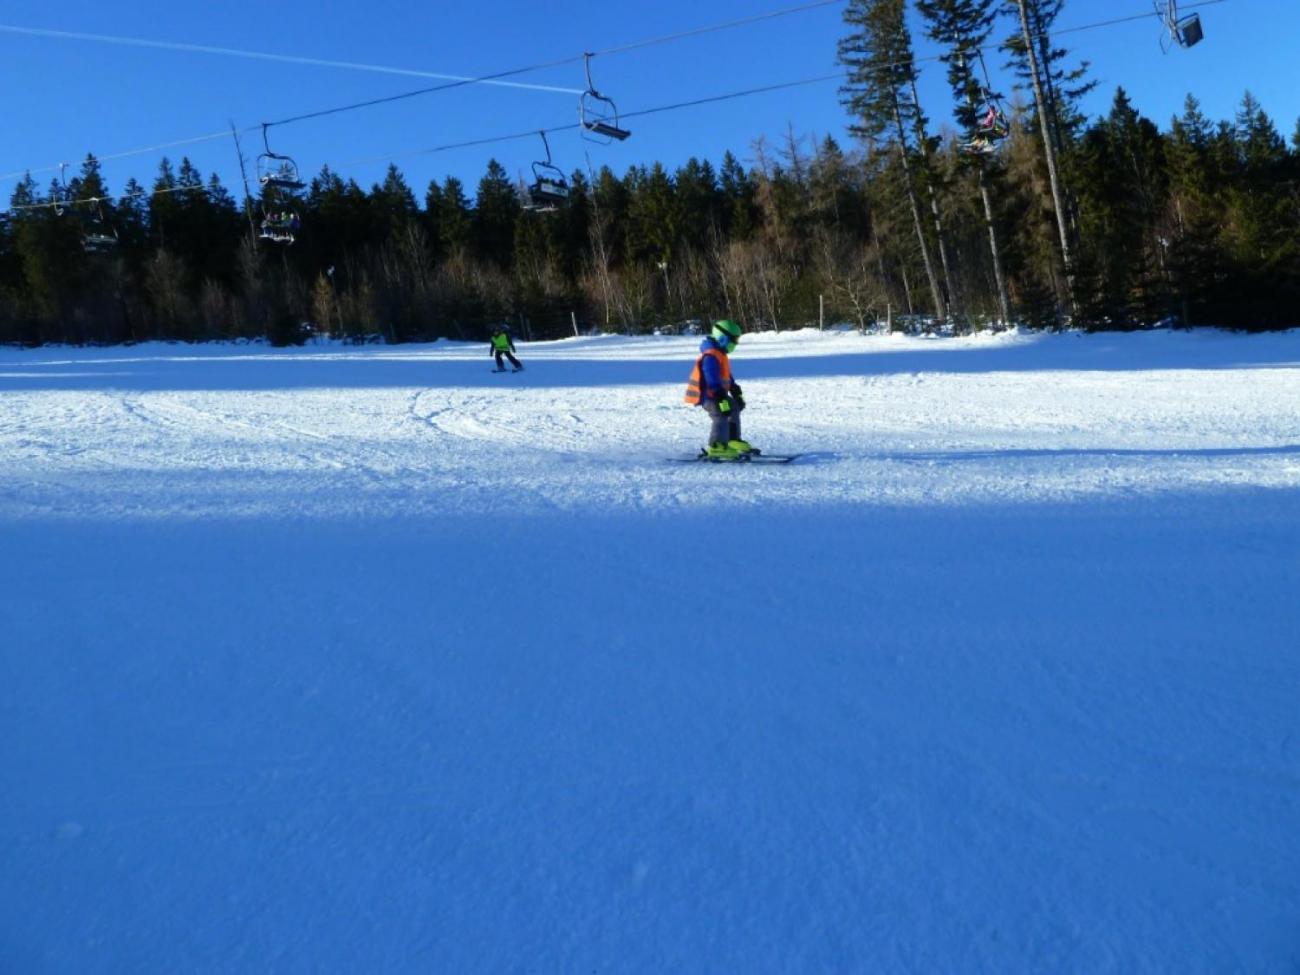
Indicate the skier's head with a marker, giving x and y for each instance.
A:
(726, 333)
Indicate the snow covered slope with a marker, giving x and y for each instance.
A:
(372, 660)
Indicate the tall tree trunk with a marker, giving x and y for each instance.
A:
(1049, 151)
(995, 251)
(935, 213)
(940, 309)
(999, 274)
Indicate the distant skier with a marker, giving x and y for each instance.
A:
(712, 387)
(503, 345)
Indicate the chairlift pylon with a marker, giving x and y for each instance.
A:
(1183, 31)
(549, 188)
(598, 113)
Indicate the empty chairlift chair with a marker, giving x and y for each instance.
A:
(598, 113)
(1183, 31)
(275, 171)
(99, 236)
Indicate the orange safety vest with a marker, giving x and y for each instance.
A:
(694, 387)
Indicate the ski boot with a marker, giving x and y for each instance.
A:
(719, 452)
(744, 447)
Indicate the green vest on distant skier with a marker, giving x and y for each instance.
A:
(502, 346)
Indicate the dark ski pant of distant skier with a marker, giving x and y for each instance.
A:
(726, 426)
(513, 361)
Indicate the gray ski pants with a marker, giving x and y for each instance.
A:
(726, 426)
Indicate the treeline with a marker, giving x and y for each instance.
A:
(1109, 223)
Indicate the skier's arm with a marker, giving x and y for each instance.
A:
(711, 372)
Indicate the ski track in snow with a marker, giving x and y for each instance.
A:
(336, 659)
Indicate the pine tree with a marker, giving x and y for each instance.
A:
(1262, 228)
(455, 218)
(963, 27)
(496, 208)
(1055, 97)
(740, 217)
(881, 68)
(1190, 225)
(1122, 190)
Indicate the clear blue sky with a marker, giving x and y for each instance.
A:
(66, 97)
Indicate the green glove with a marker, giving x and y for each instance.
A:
(724, 405)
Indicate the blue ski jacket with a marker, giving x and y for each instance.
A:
(711, 372)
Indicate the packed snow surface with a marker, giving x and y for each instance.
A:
(371, 660)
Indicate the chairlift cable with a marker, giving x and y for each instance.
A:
(497, 77)
(19, 174)
(109, 198)
(490, 140)
(1123, 20)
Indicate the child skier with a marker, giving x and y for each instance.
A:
(503, 345)
(712, 387)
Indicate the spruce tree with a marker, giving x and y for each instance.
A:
(1190, 226)
(882, 70)
(963, 27)
(1055, 93)
(496, 208)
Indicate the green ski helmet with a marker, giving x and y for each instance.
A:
(726, 332)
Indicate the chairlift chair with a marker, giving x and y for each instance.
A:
(980, 145)
(275, 236)
(99, 237)
(276, 171)
(549, 188)
(598, 113)
(278, 226)
(97, 243)
(1183, 31)
(62, 194)
(993, 120)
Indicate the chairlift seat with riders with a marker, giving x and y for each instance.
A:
(278, 226)
(598, 113)
(278, 175)
(549, 188)
(991, 125)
